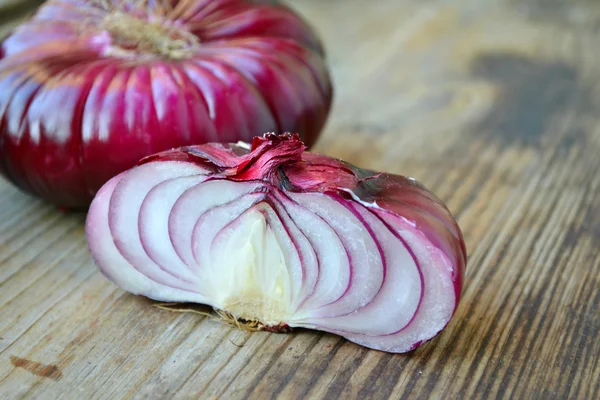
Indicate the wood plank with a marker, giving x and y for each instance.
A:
(493, 105)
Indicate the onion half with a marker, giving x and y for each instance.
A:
(89, 87)
(283, 238)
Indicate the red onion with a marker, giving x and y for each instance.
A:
(283, 238)
(88, 88)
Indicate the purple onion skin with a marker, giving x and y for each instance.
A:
(283, 161)
(73, 113)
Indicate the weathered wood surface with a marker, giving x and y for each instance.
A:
(493, 104)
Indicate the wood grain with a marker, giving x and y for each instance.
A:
(494, 105)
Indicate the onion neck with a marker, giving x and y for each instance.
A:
(268, 154)
(132, 35)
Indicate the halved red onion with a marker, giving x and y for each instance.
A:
(271, 234)
(89, 87)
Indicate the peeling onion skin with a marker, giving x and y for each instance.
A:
(273, 234)
(81, 100)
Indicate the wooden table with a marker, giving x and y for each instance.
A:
(494, 105)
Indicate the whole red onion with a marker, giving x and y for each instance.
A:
(279, 237)
(88, 88)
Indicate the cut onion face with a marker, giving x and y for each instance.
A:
(89, 87)
(281, 238)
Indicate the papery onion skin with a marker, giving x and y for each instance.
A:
(88, 88)
(313, 203)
